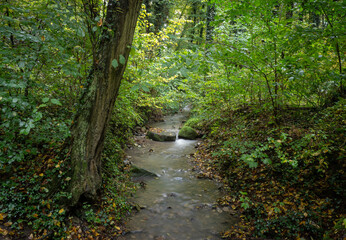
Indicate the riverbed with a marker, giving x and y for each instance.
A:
(175, 205)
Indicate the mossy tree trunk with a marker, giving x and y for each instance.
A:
(96, 105)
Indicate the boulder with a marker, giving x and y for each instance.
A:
(188, 133)
(137, 172)
(162, 137)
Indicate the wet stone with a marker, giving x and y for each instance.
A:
(162, 137)
(140, 173)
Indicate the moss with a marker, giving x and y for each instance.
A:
(188, 133)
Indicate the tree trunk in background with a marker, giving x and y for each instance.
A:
(96, 105)
(210, 19)
(160, 13)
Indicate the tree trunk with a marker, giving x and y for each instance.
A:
(96, 104)
(210, 19)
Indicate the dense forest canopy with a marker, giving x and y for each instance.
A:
(265, 79)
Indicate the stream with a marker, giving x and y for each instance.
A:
(175, 204)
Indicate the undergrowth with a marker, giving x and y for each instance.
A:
(35, 176)
(285, 177)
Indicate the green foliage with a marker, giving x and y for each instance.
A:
(245, 201)
(33, 198)
(289, 176)
(194, 122)
(44, 61)
(272, 54)
(267, 58)
(289, 226)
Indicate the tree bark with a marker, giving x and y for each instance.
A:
(96, 104)
(210, 19)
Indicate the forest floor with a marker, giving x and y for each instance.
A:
(285, 178)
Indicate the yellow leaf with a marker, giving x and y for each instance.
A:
(41, 175)
(316, 154)
(117, 228)
(2, 216)
(3, 232)
(61, 211)
(8, 224)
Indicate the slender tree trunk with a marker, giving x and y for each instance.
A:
(194, 17)
(96, 104)
(337, 49)
(201, 18)
(210, 19)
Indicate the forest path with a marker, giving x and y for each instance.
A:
(176, 204)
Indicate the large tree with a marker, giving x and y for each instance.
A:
(96, 104)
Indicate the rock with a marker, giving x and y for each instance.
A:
(140, 172)
(162, 137)
(188, 133)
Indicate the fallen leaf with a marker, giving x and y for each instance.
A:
(2, 216)
(3, 232)
(8, 224)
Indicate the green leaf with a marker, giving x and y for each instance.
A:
(45, 100)
(145, 89)
(25, 131)
(38, 116)
(115, 63)
(267, 161)
(21, 64)
(80, 32)
(42, 105)
(55, 101)
(122, 59)
(135, 87)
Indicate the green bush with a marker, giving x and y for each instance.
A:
(195, 123)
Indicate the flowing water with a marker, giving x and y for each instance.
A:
(176, 204)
